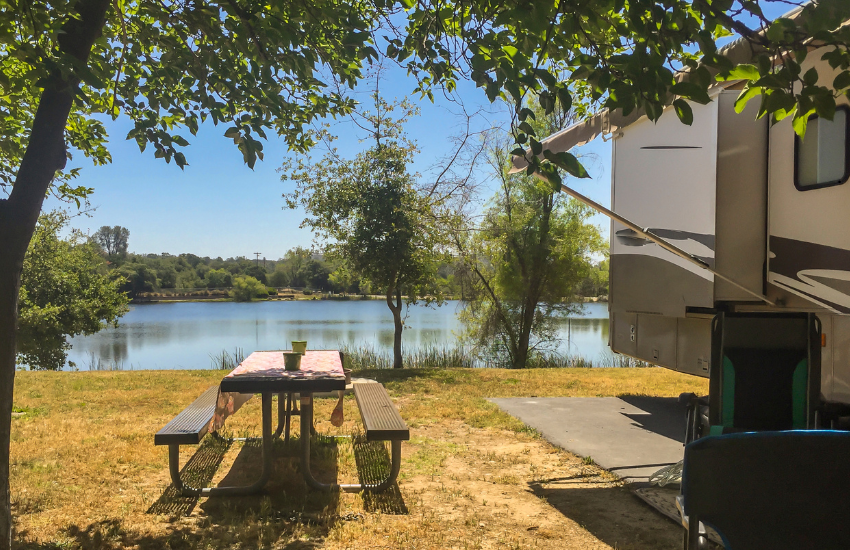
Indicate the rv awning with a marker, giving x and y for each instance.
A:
(583, 132)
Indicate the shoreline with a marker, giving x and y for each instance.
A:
(305, 298)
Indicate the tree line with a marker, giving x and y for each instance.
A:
(299, 268)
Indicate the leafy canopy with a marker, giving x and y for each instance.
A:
(114, 240)
(65, 291)
(529, 256)
(252, 66)
(368, 209)
(621, 54)
(247, 289)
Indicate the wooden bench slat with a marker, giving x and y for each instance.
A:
(380, 417)
(190, 426)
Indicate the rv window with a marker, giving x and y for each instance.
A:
(821, 157)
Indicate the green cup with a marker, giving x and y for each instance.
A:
(299, 346)
(292, 360)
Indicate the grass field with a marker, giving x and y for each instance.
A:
(85, 472)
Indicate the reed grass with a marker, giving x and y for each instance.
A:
(365, 357)
(225, 360)
(95, 363)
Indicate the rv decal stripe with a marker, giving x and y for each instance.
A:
(808, 269)
(663, 147)
(669, 234)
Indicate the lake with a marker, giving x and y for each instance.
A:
(185, 335)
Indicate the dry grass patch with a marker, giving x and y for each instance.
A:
(85, 472)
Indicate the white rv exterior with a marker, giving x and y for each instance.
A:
(757, 204)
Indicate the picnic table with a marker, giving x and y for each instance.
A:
(263, 373)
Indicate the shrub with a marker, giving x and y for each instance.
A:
(246, 289)
(307, 292)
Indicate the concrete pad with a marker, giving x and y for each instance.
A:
(631, 436)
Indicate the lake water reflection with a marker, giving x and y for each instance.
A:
(184, 335)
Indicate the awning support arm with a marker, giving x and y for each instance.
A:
(647, 234)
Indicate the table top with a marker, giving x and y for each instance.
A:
(264, 371)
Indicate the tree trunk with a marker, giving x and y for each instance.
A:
(534, 277)
(521, 358)
(395, 308)
(19, 213)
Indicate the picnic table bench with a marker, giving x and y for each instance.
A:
(381, 420)
(192, 424)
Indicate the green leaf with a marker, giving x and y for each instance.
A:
(799, 123)
(743, 72)
(550, 174)
(765, 64)
(568, 162)
(744, 97)
(811, 77)
(841, 81)
(683, 111)
(526, 127)
(691, 91)
(825, 106)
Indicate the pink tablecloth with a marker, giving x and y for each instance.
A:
(269, 364)
(265, 371)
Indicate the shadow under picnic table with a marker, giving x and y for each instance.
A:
(198, 471)
(286, 491)
(373, 465)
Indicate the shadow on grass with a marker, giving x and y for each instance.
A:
(285, 515)
(112, 535)
(612, 514)
(197, 472)
(373, 465)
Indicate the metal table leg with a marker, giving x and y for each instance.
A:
(290, 405)
(174, 463)
(282, 416)
(307, 420)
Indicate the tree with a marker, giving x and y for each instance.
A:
(278, 278)
(166, 277)
(65, 291)
(315, 274)
(371, 215)
(247, 289)
(218, 278)
(113, 240)
(596, 283)
(528, 258)
(136, 278)
(256, 272)
(250, 66)
(291, 267)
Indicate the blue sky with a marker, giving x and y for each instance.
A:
(217, 206)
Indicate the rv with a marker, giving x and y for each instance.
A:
(728, 214)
